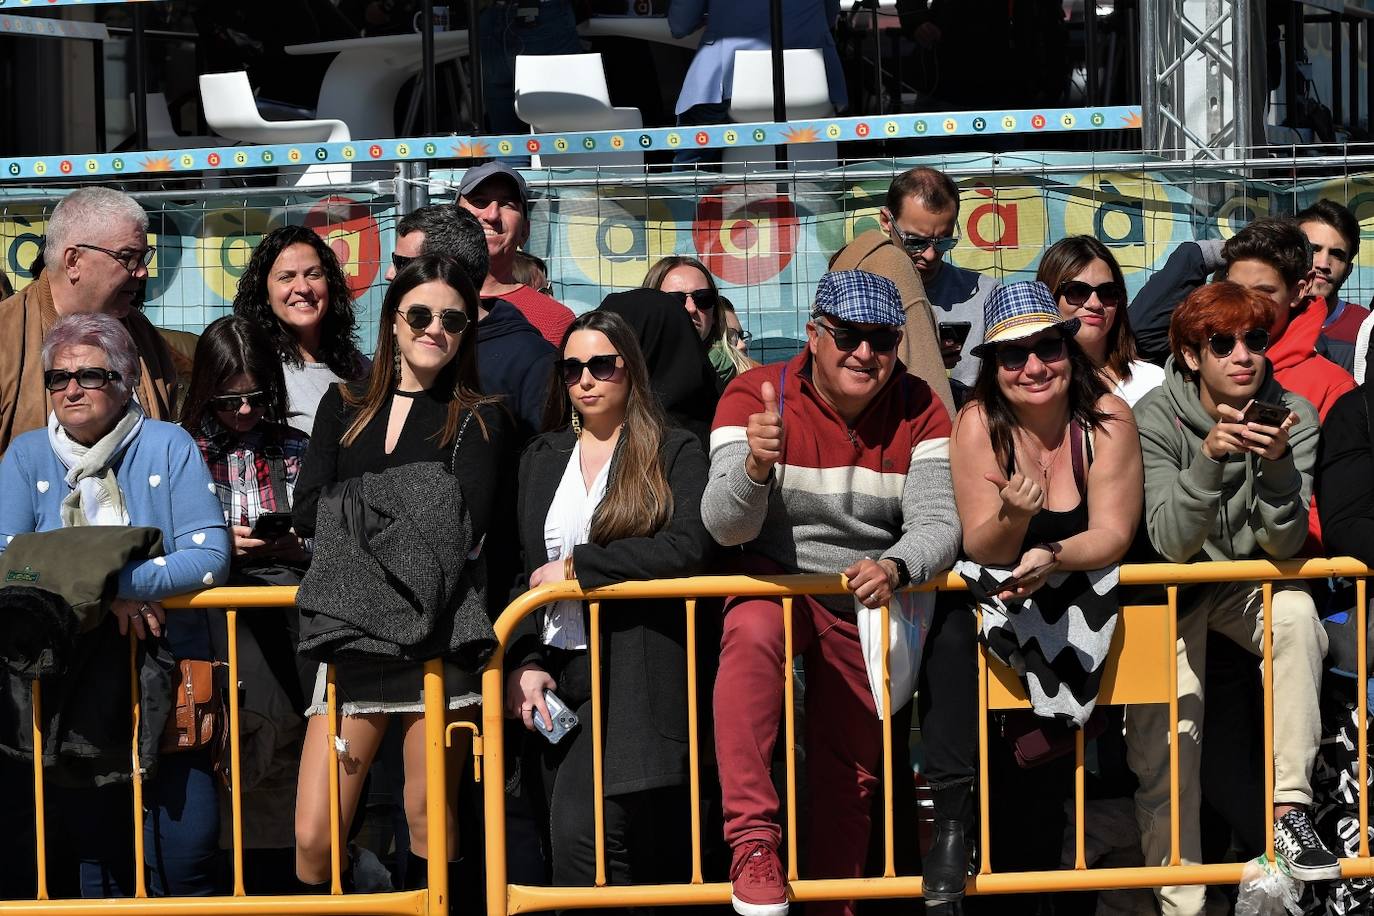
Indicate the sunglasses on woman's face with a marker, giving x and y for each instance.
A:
(88, 377)
(454, 321)
(1256, 341)
(1076, 292)
(232, 403)
(880, 340)
(601, 367)
(704, 298)
(1013, 357)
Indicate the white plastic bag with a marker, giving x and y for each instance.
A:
(1268, 890)
(908, 619)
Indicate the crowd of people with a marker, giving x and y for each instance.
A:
(1036, 433)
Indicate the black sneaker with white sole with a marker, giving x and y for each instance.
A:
(1302, 851)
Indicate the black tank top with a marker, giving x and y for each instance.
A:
(1048, 525)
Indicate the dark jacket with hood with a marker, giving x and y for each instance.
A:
(514, 362)
(679, 371)
(644, 654)
(1245, 507)
(58, 632)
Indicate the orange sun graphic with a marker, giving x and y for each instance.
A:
(157, 164)
(801, 135)
(470, 150)
(1132, 120)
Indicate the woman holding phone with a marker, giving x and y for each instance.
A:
(1088, 285)
(611, 493)
(1047, 476)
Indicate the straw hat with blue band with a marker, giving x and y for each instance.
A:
(1015, 311)
(860, 297)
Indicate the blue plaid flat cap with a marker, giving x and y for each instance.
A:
(1017, 310)
(861, 297)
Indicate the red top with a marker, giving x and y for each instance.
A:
(1347, 324)
(549, 316)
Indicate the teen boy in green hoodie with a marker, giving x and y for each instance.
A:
(1218, 488)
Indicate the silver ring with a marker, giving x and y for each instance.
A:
(145, 608)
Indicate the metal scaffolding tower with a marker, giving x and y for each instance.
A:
(1197, 78)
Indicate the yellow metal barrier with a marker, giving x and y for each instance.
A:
(1144, 640)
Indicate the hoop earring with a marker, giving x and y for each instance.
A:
(576, 425)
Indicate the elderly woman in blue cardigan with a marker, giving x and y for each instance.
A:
(101, 461)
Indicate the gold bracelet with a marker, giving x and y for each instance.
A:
(568, 567)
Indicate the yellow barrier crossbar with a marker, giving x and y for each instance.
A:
(488, 747)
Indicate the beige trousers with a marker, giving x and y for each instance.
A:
(1235, 610)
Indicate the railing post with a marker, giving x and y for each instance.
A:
(436, 788)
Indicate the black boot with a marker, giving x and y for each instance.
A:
(948, 864)
(466, 883)
(322, 889)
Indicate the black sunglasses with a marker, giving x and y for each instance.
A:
(1013, 357)
(419, 317)
(256, 400)
(734, 337)
(880, 340)
(1256, 341)
(601, 367)
(704, 297)
(1076, 292)
(917, 244)
(400, 261)
(88, 377)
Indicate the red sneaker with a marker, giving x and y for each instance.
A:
(756, 882)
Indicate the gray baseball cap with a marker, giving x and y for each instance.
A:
(474, 176)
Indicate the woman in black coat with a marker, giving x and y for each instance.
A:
(613, 493)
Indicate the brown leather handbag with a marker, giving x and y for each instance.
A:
(197, 719)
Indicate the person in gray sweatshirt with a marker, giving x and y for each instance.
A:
(1219, 487)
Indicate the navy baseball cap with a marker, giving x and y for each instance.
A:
(860, 297)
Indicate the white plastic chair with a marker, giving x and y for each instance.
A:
(162, 133)
(807, 93)
(231, 111)
(567, 92)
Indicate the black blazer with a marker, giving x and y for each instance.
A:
(643, 643)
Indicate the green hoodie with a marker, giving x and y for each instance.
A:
(1238, 509)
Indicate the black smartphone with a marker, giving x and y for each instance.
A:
(955, 332)
(271, 525)
(1265, 413)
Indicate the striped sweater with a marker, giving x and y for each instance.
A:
(880, 488)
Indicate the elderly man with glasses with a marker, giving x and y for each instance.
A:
(834, 462)
(96, 257)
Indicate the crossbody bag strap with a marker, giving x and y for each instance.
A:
(276, 474)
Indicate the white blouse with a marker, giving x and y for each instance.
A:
(1145, 377)
(568, 524)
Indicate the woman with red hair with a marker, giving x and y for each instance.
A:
(1229, 456)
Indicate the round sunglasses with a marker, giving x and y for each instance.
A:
(88, 377)
(1256, 341)
(419, 317)
(1013, 357)
(233, 403)
(601, 367)
(1076, 292)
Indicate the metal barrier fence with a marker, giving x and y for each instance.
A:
(1143, 668)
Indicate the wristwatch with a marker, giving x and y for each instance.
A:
(903, 574)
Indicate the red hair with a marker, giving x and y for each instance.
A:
(1217, 308)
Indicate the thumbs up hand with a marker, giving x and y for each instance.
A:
(764, 435)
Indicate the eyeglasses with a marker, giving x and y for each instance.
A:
(400, 261)
(256, 400)
(734, 338)
(419, 317)
(129, 260)
(1076, 292)
(704, 298)
(880, 340)
(89, 377)
(1256, 341)
(601, 367)
(1013, 357)
(917, 244)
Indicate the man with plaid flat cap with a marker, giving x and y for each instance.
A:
(834, 462)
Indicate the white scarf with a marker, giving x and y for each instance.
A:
(568, 524)
(95, 498)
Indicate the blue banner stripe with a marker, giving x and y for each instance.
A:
(907, 126)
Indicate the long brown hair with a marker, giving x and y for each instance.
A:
(459, 376)
(638, 500)
(1063, 261)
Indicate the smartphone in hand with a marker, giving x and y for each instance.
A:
(271, 525)
(1264, 413)
(564, 719)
